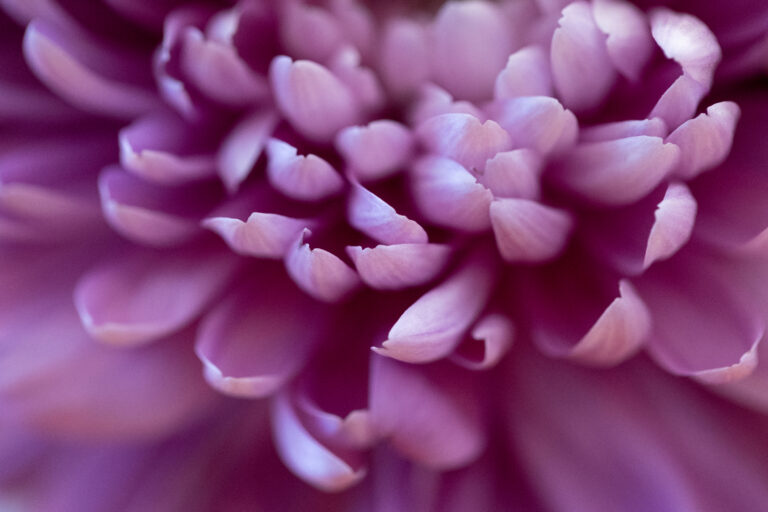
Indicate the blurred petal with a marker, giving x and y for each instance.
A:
(392, 267)
(490, 339)
(513, 174)
(376, 150)
(263, 235)
(243, 146)
(527, 74)
(527, 231)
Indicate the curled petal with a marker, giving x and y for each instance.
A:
(377, 219)
(705, 141)
(675, 217)
(471, 42)
(393, 267)
(462, 137)
(252, 344)
(315, 101)
(318, 272)
(489, 341)
(429, 416)
(144, 297)
(59, 67)
(449, 195)
(434, 101)
(360, 80)
(219, 72)
(263, 235)
(619, 171)
(655, 127)
(243, 146)
(528, 231)
(513, 174)
(435, 324)
(307, 178)
(679, 101)
(305, 455)
(581, 67)
(404, 56)
(375, 151)
(527, 74)
(537, 122)
(309, 32)
(629, 41)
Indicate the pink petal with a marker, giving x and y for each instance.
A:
(428, 415)
(313, 100)
(51, 212)
(434, 101)
(491, 338)
(629, 41)
(463, 138)
(306, 178)
(243, 146)
(309, 32)
(705, 141)
(655, 127)
(619, 171)
(403, 56)
(361, 81)
(370, 214)
(528, 231)
(58, 66)
(449, 195)
(152, 148)
(145, 296)
(435, 324)
(319, 273)
(675, 217)
(527, 74)
(471, 43)
(217, 70)
(263, 235)
(679, 102)
(538, 123)
(252, 344)
(393, 267)
(358, 25)
(376, 150)
(513, 174)
(582, 70)
(304, 455)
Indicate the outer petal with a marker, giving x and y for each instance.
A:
(404, 56)
(674, 220)
(392, 267)
(527, 231)
(377, 219)
(309, 32)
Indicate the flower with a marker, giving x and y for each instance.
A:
(397, 244)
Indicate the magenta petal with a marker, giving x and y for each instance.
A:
(434, 101)
(679, 102)
(305, 455)
(309, 32)
(435, 324)
(393, 267)
(527, 73)
(629, 41)
(537, 122)
(144, 297)
(705, 141)
(471, 42)
(528, 231)
(360, 80)
(149, 147)
(463, 138)
(491, 337)
(675, 217)
(243, 146)
(619, 171)
(217, 70)
(306, 178)
(513, 174)
(60, 69)
(428, 415)
(702, 326)
(581, 67)
(263, 235)
(313, 100)
(375, 151)
(449, 195)
(321, 274)
(404, 56)
(655, 127)
(369, 213)
(251, 345)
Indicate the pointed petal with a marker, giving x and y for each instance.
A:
(393, 267)
(435, 324)
(537, 122)
(370, 214)
(319, 273)
(263, 235)
(490, 339)
(144, 297)
(449, 195)
(675, 217)
(619, 171)
(376, 150)
(526, 74)
(306, 178)
(528, 231)
(243, 146)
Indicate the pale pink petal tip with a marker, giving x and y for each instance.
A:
(393, 267)
(675, 217)
(527, 231)
(321, 274)
(527, 73)
(243, 146)
(513, 174)
(306, 178)
(375, 151)
(374, 217)
(490, 339)
(629, 42)
(312, 98)
(263, 235)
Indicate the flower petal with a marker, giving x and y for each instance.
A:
(490, 340)
(369, 213)
(393, 267)
(675, 217)
(513, 174)
(537, 122)
(263, 235)
(403, 56)
(527, 73)
(376, 150)
(306, 178)
(527, 231)
(243, 146)
(629, 41)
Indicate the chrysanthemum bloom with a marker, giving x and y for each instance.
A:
(499, 199)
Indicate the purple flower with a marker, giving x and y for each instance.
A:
(444, 257)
